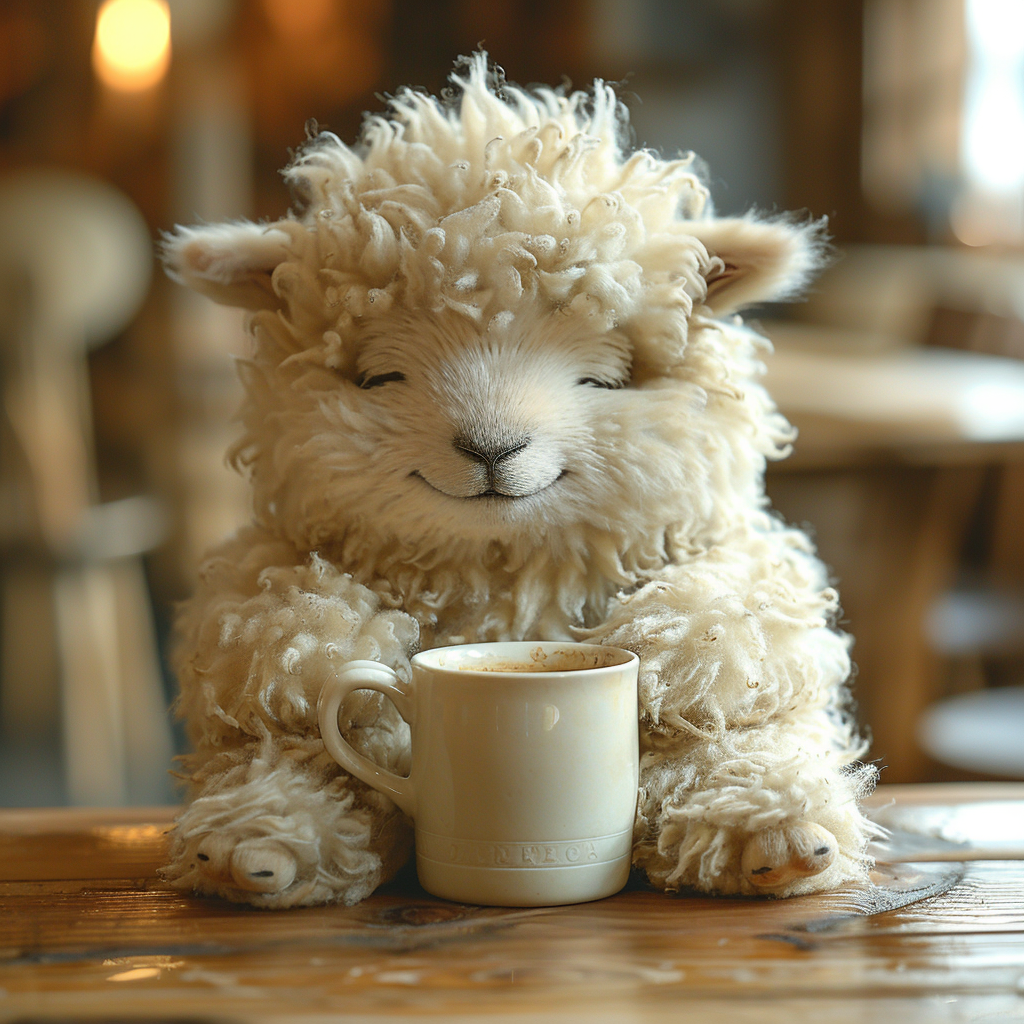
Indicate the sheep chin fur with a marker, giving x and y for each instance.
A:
(495, 275)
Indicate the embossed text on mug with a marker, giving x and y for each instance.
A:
(478, 853)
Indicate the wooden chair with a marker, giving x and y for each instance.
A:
(75, 262)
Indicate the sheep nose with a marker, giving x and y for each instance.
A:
(489, 452)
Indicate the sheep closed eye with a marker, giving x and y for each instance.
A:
(379, 379)
(594, 382)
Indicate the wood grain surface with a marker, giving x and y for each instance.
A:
(87, 931)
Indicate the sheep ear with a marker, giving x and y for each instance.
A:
(758, 261)
(230, 263)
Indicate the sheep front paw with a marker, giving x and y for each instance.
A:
(774, 860)
(282, 828)
(245, 865)
(255, 865)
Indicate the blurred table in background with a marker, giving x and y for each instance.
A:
(88, 931)
(893, 449)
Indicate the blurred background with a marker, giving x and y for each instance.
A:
(901, 120)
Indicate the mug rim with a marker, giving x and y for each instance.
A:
(420, 660)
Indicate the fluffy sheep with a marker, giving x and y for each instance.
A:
(498, 390)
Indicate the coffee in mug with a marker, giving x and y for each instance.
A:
(525, 755)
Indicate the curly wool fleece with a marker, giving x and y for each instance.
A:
(495, 393)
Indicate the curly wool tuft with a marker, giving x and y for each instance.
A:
(477, 206)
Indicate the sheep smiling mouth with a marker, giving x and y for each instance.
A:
(489, 493)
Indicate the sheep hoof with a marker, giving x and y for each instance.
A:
(257, 864)
(262, 865)
(776, 857)
(213, 856)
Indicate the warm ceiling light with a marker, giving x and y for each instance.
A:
(133, 43)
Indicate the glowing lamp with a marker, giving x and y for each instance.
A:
(132, 47)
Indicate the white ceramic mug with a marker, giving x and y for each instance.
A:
(524, 776)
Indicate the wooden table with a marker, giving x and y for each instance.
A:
(87, 930)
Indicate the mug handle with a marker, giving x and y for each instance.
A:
(365, 675)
